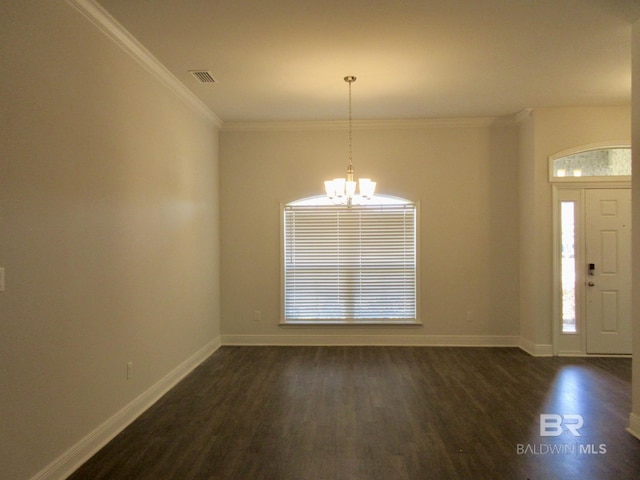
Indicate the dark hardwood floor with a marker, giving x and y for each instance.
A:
(381, 413)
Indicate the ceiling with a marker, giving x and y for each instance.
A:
(286, 59)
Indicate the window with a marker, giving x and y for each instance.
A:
(568, 266)
(591, 164)
(349, 264)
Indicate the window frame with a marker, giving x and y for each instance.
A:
(351, 321)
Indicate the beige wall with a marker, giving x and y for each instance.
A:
(527, 263)
(108, 232)
(476, 195)
(635, 417)
(546, 132)
(464, 176)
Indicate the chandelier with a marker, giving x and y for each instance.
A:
(342, 191)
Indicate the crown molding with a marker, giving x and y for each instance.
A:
(310, 125)
(95, 13)
(523, 115)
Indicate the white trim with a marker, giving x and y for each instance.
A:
(79, 453)
(537, 350)
(95, 13)
(322, 125)
(352, 323)
(591, 146)
(634, 425)
(568, 193)
(523, 115)
(572, 353)
(573, 192)
(594, 355)
(374, 340)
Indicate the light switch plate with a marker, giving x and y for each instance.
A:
(1, 279)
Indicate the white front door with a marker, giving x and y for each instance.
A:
(608, 278)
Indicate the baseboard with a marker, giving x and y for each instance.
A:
(537, 350)
(379, 340)
(570, 353)
(79, 453)
(634, 425)
(594, 355)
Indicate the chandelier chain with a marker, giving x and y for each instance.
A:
(350, 131)
(343, 190)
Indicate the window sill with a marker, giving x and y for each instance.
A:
(346, 323)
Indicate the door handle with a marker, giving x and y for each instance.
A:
(591, 284)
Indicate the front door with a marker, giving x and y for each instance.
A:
(608, 279)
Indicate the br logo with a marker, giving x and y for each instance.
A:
(552, 425)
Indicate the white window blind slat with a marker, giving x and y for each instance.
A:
(350, 264)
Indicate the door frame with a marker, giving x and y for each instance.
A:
(573, 344)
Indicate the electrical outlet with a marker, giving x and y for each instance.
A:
(257, 315)
(1, 279)
(469, 316)
(129, 370)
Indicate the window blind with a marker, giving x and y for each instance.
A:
(350, 264)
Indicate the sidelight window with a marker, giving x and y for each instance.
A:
(568, 266)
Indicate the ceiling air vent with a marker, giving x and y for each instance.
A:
(203, 76)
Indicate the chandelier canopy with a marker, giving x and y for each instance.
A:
(342, 191)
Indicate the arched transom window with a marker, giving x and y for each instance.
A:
(592, 163)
